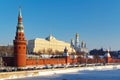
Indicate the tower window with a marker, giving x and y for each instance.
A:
(14, 47)
(19, 34)
(23, 47)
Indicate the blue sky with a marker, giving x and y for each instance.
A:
(96, 21)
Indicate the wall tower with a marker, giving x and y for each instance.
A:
(107, 57)
(66, 55)
(19, 44)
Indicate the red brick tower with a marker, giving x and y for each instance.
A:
(66, 55)
(20, 44)
(107, 57)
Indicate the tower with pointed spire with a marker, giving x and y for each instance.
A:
(77, 41)
(20, 44)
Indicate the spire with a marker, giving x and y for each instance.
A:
(20, 25)
(20, 13)
(66, 52)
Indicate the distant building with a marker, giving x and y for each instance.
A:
(77, 41)
(49, 44)
(79, 47)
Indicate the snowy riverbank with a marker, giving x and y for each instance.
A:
(22, 74)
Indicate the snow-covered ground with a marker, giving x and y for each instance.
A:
(83, 75)
(89, 73)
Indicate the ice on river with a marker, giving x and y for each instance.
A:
(84, 74)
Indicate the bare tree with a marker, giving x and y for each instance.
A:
(6, 50)
(96, 57)
(50, 51)
(39, 52)
(43, 51)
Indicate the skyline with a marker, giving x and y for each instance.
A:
(97, 22)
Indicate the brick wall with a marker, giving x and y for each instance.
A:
(51, 61)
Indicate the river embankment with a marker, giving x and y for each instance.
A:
(45, 72)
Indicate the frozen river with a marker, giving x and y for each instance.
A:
(81, 75)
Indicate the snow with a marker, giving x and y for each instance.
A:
(110, 72)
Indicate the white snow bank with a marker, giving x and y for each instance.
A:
(68, 70)
(49, 72)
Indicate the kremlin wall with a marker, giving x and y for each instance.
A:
(22, 60)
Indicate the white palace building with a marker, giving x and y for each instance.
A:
(51, 44)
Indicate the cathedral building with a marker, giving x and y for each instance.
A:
(79, 47)
(51, 45)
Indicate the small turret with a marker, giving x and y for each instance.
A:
(107, 57)
(66, 55)
(65, 52)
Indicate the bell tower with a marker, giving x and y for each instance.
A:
(19, 44)
(77, 41)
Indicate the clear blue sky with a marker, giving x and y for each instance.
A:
(96, 21)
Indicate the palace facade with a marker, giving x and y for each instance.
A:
(48, 45)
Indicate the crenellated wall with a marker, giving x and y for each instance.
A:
(9, 61)
(52, 61)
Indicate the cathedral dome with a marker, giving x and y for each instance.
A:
(50, 37)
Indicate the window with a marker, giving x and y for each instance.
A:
(23, 47)
(19, 34)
